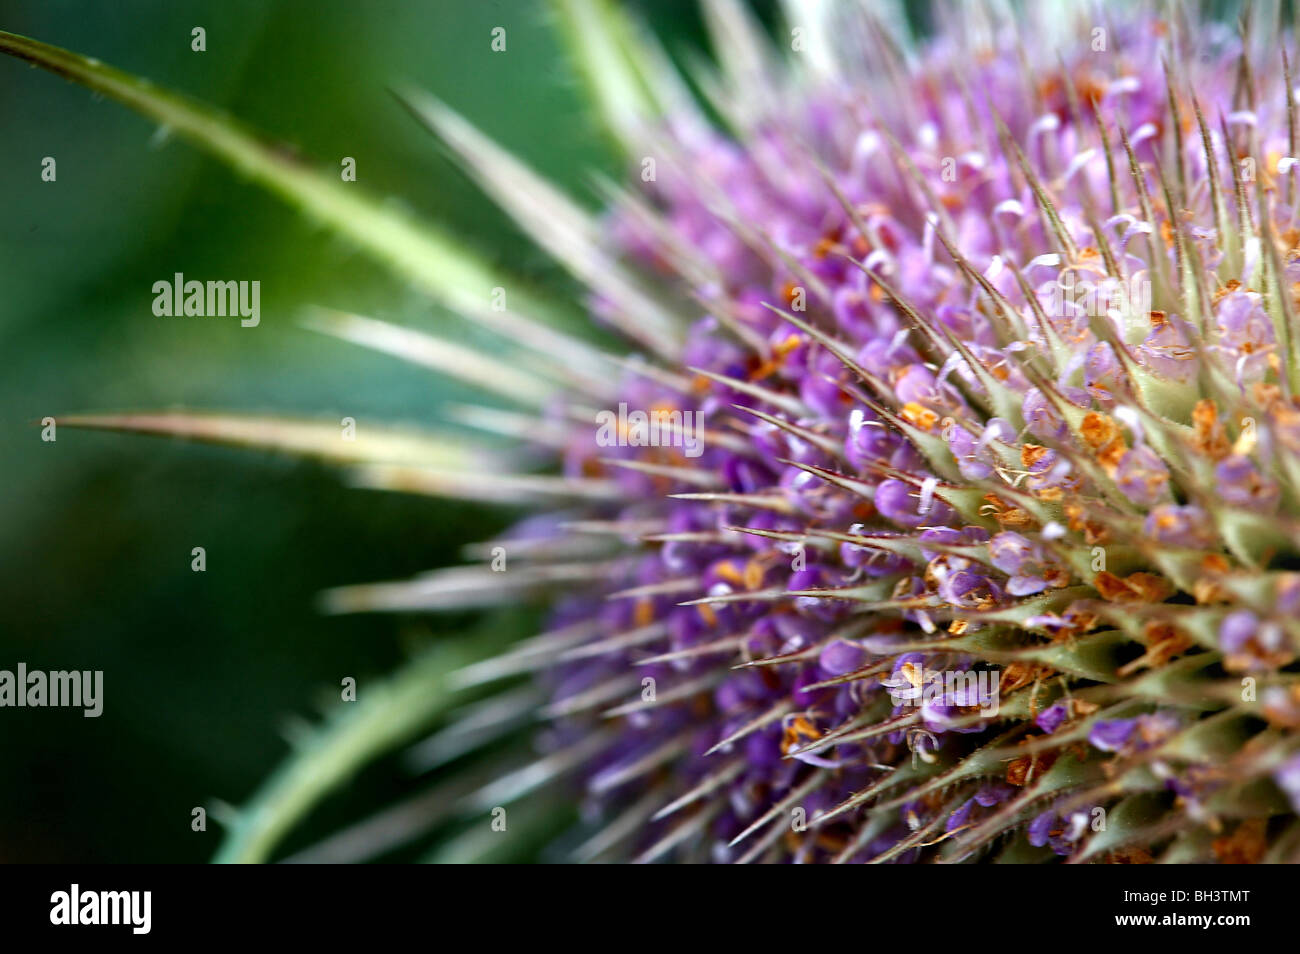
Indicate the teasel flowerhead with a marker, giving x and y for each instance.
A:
(942, 499)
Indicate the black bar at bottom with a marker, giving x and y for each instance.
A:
(301, 903)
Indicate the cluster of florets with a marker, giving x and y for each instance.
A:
(996, 380)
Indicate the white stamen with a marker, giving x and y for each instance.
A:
(876, 259)
(1131, 420)
(1078, 162)
(1123, 86)
(927, 494)
(1078, 825)
(1250, 259)
(1045, 123)
(1142, 134)
(1010, 207)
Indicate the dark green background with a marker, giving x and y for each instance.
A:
(96, 529)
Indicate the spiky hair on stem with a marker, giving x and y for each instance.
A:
(991, 548)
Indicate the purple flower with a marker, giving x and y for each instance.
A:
(1042, 416)
(1237, 630)
(1134, 735)
(1143, 476)
(1246, 334)
(1287, 777)
(1180, 526)
(969, 589)
(1025, 562)
(1249, 643)
(1061, 833)
(1239, 482)
(904, 505)
(1053, 717)
(841, 656)
(1110, 735)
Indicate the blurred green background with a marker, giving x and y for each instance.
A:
(96, 529)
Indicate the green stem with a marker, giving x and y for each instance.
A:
(383, 717)
(437, 262)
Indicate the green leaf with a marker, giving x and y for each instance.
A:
(611, 60)
(308, 438)
(384, 715)
(528, 826)
(439, 263)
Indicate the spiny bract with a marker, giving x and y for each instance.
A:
(992, 546)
